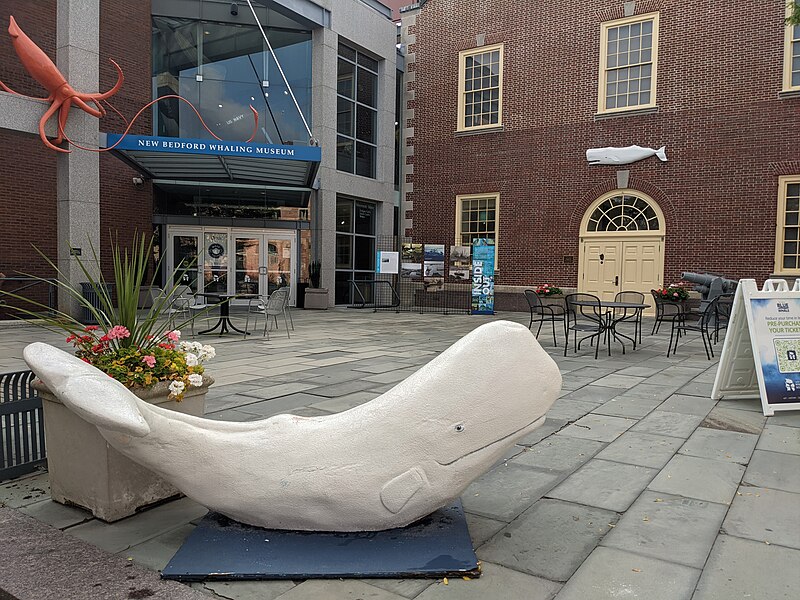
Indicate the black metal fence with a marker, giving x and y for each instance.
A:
(414, 292)
(22, 445)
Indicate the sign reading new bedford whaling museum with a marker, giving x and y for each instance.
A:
(214, 147)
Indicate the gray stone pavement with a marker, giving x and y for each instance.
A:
(637, 486)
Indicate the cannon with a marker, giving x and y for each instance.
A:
(710, 285)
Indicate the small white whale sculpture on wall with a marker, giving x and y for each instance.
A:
(384, 464)
(623, 156)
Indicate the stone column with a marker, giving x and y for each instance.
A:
(77, 57)
(323, 92)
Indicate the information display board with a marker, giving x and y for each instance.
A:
(388, 262)
(761, 354)
(482, 277)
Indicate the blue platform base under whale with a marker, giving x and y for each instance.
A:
(221, 549)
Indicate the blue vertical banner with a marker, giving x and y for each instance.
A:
(482, 276)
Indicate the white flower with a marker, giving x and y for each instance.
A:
(191, 360)
(176, 388)
(207, 352)
(185, 346)
(196, 380)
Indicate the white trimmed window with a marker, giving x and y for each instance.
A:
(480, 85)
(628, 63)
(791, 59)
(787, 243)
(477, 216)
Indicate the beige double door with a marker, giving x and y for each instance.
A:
(617, 264)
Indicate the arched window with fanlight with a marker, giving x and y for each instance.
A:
(624, 213)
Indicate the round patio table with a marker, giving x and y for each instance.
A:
(224, 301)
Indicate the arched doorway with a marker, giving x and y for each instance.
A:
(621, 245)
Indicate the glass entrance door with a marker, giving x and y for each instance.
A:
(183, 247)
(233, 261)
(215, 262)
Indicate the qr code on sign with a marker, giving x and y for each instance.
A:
(788, 353)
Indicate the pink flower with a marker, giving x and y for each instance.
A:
(118, 332)
(174, 336)
(675, 294)
(150, 361)
(91, 328)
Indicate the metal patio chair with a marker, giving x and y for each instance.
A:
(541, 313)
(703, 325)
(269, 306)
(665, 311)
(635, 316)
(586, 317)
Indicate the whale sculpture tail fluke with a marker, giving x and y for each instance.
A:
(661, 153)
(93, 395)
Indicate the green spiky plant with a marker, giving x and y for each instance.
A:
(136, 349)
(794, 13)
(130, 269)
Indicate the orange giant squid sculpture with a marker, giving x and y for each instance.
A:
(62, 95)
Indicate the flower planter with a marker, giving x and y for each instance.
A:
(85, 471)
(554, 300)
(316, 298)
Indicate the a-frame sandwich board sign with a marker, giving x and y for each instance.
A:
(761, 353)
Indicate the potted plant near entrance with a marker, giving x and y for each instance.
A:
(316, 296)
(147, 356)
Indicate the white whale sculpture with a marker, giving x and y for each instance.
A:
(623, 156)
(380, 465)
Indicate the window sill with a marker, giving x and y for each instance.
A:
(467, 132)
(626, 113)
(789, 94)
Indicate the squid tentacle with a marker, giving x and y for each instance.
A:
(49, 113)
(5, 88)
(113, 90)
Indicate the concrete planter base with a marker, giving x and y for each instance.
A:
(316, 298)
(85, 471)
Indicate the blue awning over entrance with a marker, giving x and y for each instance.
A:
(214, 161)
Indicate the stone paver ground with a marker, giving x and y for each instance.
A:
(637, 485)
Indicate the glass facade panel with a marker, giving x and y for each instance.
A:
(356, 146)
(355, 245)
(224, 69)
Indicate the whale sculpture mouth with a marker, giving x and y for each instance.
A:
(532, 425)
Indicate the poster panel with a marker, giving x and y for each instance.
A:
(775, 329)
(482, 277)
(761, 353)
(411, 261)
(388, 262)
(459, 267)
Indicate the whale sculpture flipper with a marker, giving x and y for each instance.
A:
(396, 494)
(93, 395)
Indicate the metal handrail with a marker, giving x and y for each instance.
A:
(362, 302)
(33, 281)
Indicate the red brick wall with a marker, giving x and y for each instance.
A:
(28, 174)
(719, 76)
(125, 34)
(27, 170)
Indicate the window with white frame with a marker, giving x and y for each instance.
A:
(791, 59)
(476, 217)
(480, 83)
(628, 63)
(787, 243)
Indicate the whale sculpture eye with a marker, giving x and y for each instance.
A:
(460, 427)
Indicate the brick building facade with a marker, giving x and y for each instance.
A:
(720, 107)
(28, 172)
(310, 183)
